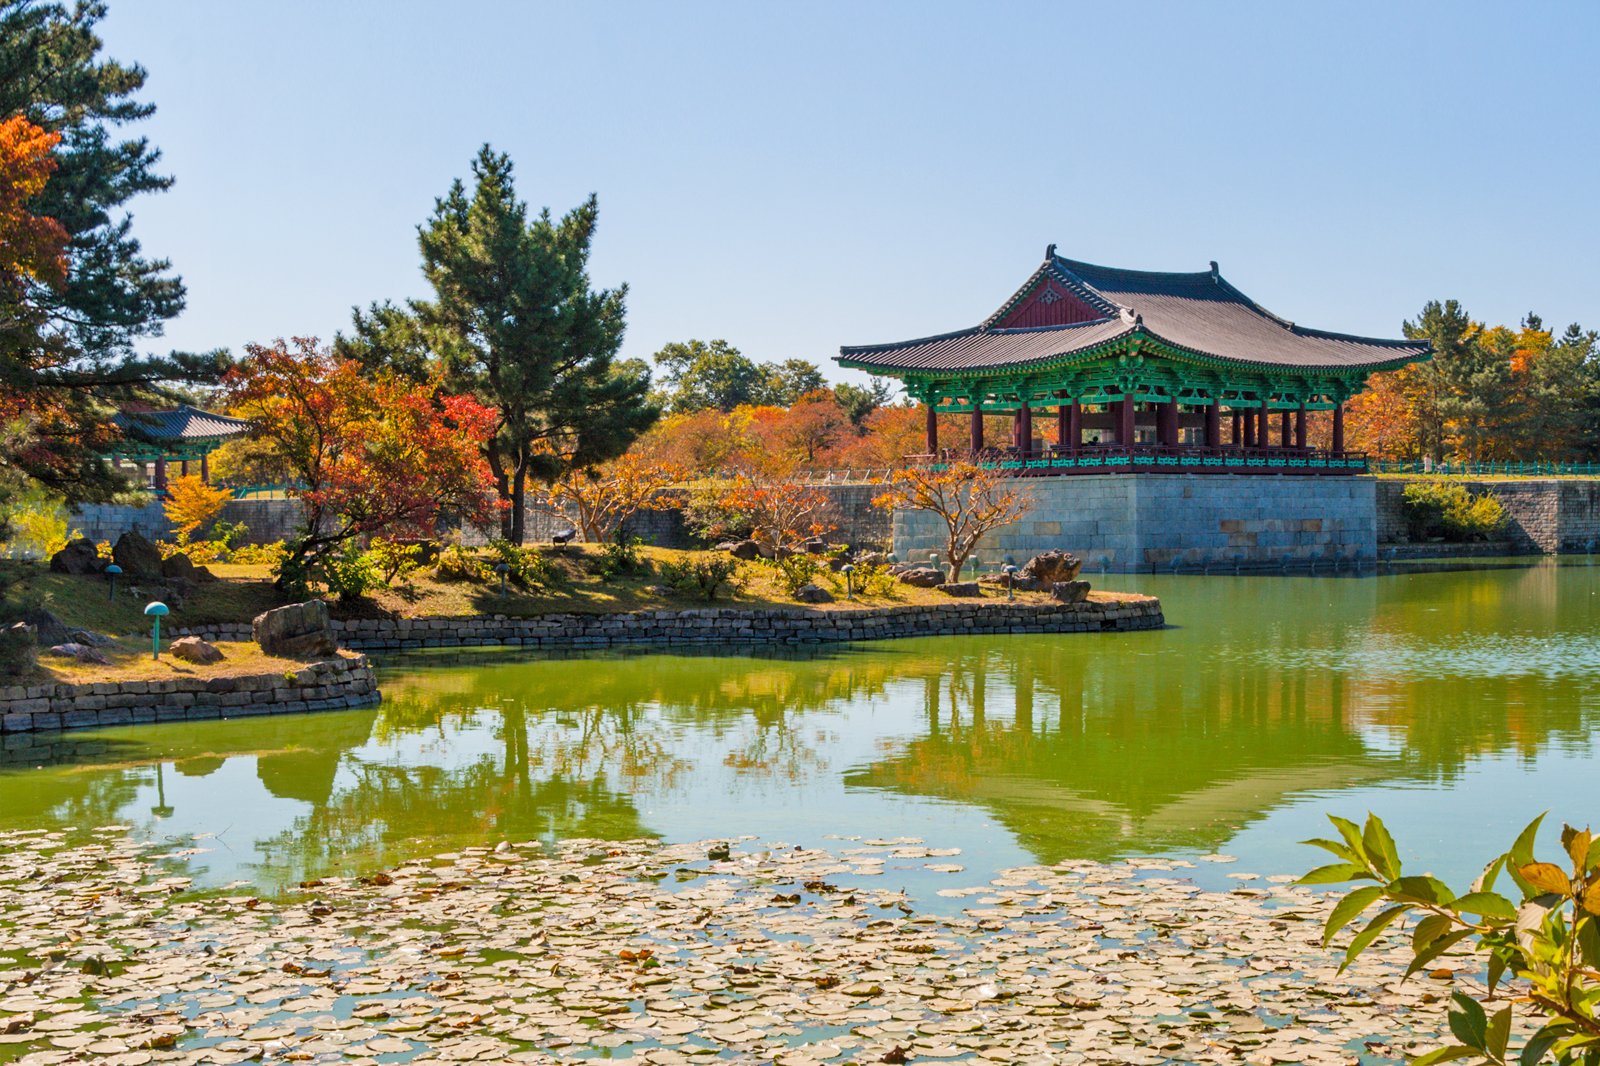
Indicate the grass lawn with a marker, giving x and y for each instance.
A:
(242, 592)
(131, 661)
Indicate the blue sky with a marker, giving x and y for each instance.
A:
(794, 177)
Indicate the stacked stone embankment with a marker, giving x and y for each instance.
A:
(334, 684)
(732, 625)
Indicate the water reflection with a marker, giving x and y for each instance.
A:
(1271, 696)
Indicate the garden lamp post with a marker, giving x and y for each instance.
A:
(502, 569)
(849, 571)
(111, 577)
(155, 611)
(1011, 580)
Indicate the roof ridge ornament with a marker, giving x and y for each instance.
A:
(1214, 270)
(1049, 252)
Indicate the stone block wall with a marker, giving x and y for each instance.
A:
(1129, 522)
(736, 626)
(1543, 515)
(331, 685)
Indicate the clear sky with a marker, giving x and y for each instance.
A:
(793, 177)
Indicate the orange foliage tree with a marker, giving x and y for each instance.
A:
(601, 499)
(191, 503)
(372, 453)
(971, 501)
(781, 512)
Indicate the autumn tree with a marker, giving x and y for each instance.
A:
(77, 292)
(780, 511)
(191, 503)
(371, 453)
(970, 500)
(861, 401)
(601, 499)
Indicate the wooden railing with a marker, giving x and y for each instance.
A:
(1151, 458)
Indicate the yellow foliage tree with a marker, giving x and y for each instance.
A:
(191, 503)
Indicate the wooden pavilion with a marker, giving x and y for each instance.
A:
(1146, 370)
(182, 435)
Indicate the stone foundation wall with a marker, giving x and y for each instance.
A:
(1548, 516)
(323, 686)
(1130, 522)
(728, 625)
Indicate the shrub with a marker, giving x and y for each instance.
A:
(229, 534)
(38, 528)
(796, 571)
(351, 574)
(17, 651)
(703, 575)
(458, 564)
(1449, 510)
(1546, 945)
(394, 559)
(270, 554)
(527, 568)
(867, 581)
(621, 555)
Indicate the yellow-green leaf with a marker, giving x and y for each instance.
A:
(1486, 904)
(1332, 874)
(1345, 911)
(1379, 847)
(1547, 878)
(1379, 923)
(1577, 842)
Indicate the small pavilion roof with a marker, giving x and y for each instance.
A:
(181, 425)
(1200, 313)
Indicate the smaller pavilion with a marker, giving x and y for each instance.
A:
(182, 435)
(1146, 371)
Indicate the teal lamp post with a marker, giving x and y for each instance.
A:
(849, 574)
(1011, 580)
(155, 611)
(111, 576)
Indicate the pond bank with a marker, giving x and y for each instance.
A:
(738, 625)
(334, 684)
(669, 954)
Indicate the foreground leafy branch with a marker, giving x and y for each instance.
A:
(1545, 948)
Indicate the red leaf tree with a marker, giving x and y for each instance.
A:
(372, 453)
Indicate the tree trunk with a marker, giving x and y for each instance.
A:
(519, 501)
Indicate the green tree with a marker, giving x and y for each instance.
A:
(789, 380)
(67, 349)
(515, 323)
(698, 375)
(860, 401)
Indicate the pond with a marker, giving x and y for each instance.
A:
(1456, 703)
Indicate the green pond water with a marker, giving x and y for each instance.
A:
(1457, 703)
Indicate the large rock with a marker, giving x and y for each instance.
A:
(1016, 581)
(180, 567)
(18, 650)
(47, 628)
(1049, 567)
(82, 653)
(195, 650)
(1070, 591)
(741, 549)
(813, 594)
(921, 577)
(871, 558)
(298, 631)
(139, 558)
(961, 588)
(79, 557)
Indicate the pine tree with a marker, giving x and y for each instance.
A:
(516, 324)
(67, 346)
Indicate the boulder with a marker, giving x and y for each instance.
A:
(1049, 567)
(47, 628)
(298, 631)
(1018, 582)
(816, 546)
(921, 577)
(813, 594)
(961, 588)
(91, 638)
(82, 653)
(871, 559)
(18, 651)
(1070, 591)
(78, 557)
(741, 549)
(195, 650)
(138, 557)
(180, 567)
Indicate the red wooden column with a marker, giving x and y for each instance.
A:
(1213, 424)
(1125, 421)
(1063, 425)
(1264, 423)
(161, 475)
(1167, 425)
(933, 430)
(1285, 430)
(1025, 430)
(1338, 428)
(1075, 426)
(977, 427)
(1300, 428)
(1238, 429)
(205, 468)
(1249, 429)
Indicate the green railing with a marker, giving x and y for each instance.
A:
(1461, 468)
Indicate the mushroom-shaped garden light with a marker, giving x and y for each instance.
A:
(111, 577)
(155, 611)
(848, 569)
(1011, 580)
(502, 569)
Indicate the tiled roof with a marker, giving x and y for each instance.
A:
(182, 423)
(1200, 313)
